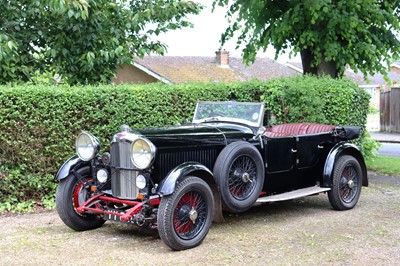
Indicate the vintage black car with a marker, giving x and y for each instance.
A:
(177, 180)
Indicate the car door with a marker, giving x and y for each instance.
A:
(280, 154)
(309, 149)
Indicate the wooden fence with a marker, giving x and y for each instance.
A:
(390, 110)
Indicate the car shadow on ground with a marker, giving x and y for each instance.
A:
(273, 212)
(130, 230)
(311, 205)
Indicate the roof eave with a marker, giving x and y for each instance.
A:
(396, 65)
(295, 68)
(151, 73)
(365, 86)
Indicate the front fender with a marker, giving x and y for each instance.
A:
(168, 185)
(339, 149)
(67, 167)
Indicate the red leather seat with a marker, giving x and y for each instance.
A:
(290, 129)
(319, 128)
(297, 129)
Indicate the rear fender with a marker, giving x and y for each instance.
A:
(68, 167)
(168, 185)
(343, 148)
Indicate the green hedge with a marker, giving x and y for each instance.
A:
(38, 124)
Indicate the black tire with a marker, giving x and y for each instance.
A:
(347, 182)
(185, 216)
(239, 172)
(70, 194)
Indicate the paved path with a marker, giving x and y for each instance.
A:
(383, 179)
(390, 149)
(385, 137)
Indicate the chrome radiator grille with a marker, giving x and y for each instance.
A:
(168, 160)
(123, 180)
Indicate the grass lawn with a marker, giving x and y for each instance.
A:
(384, 165)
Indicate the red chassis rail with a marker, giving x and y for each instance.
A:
(91, 206)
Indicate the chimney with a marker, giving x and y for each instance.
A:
(222, 58)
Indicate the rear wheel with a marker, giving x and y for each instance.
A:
(70, 194)
(347, 182)
(185, 217)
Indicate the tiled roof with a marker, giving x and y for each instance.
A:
(376, 79)
(181, 69)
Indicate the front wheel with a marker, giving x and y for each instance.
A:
(185, 217)
(347, 182)
(70, 194)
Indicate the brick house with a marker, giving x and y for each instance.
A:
(182, 69)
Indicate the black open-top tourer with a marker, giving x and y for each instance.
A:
(178, 179)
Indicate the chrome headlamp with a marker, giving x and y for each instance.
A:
(142, 153)
(87, 146)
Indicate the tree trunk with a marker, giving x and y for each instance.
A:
(324, 68)
(306, 59)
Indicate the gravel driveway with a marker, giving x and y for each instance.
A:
(300, 232)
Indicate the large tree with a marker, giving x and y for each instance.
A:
(328, 34)
(83, 40)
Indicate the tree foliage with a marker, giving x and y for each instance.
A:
(329, 34)
(82, 40)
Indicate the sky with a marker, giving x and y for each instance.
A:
(203, 38)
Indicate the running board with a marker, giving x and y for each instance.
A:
(293, 194)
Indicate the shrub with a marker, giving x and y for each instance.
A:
(23, 192)
(38, 124)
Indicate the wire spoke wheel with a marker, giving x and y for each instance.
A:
(348, 184)
(190, 215)
(80, 195)
(239, 172)
(242, 176)
(70, 194)
(185, 216)
(347, 181)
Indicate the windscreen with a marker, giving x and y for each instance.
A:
(241, 112)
